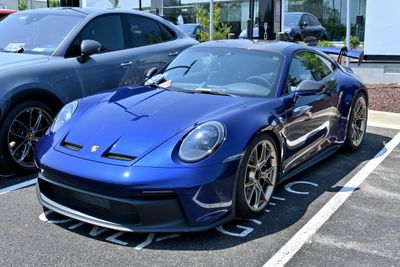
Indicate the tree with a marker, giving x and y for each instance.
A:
(22, 5)
(115, 3)
(54, 3)
(221, 30)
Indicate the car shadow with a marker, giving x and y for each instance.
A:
(295, 202)
(8, 180)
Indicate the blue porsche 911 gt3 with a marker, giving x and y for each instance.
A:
(204, 140)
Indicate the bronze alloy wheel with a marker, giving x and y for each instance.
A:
(25, 130)
(359, 121)
(261, 175)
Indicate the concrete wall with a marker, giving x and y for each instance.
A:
(378, 73)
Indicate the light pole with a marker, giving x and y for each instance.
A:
(211, 19)
(348, 26)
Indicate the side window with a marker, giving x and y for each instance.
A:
(107, 30)
(166, 33)
(327, 67)
(304, 19)
(311, 21)
(307, 66)
(144, 31)
(315, 21)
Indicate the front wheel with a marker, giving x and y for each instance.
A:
(19, 132)
(357, 124)
(258, 175)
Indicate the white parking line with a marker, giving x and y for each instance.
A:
(286, 252)
(18, 186)
(279, 198)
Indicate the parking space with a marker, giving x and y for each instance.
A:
(362, 232)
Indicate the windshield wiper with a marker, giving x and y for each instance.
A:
(211, 92)
(183, 66)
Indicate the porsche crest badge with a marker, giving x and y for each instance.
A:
(94, 148)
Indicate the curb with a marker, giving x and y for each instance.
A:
(384, 119)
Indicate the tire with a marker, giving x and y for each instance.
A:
(19, 132)
(357, 124)
(250, 177)
(297, 39)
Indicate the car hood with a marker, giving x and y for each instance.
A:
(12, 60)
(133, 121)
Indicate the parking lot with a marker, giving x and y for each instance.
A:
(362, 232)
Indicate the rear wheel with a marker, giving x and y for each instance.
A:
(19, 133)
(357, 123)
(258, 175)
(297, 39)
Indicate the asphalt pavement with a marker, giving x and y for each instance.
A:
(364, 231)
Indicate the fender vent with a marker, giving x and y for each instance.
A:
(71, 146)
(118, 156)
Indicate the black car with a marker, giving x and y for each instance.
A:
(299, 26)
(191, 29)
(302, 26)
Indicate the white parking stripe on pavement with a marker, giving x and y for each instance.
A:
(286, 252)
(18, 186)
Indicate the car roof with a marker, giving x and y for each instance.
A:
(189, 24)
(261, 45)
(298, 13)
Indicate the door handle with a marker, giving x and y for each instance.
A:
(173, 54)
(126, 64)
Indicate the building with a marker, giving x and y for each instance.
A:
(13, 4)
(331, 13)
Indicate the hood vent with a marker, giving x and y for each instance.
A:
(71, 146)
(118, 156)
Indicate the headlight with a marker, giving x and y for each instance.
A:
(63, 116)
(202, 141)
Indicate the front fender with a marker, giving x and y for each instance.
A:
(241, 125)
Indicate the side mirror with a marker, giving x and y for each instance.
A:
(88, 48)
(304, 25)
(309, 87)
(150, 73)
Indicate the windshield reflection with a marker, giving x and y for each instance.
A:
(35, 33)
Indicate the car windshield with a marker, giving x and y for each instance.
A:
(232, 71)
(187, 28)
(291, 20)
(35, 33)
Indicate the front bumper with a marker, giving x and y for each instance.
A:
(129, 215)
(152, 200)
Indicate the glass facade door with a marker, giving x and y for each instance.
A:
(332, 15)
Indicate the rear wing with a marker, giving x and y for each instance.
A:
(342, 52)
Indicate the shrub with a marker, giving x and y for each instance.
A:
(221, 30)
(325, 43)
(54, 3)
(22, 5)
(354, 42)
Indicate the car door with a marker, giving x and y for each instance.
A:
(153, 42)
(305, 28)
(111, 67)
(315, 28)
(309, 120)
